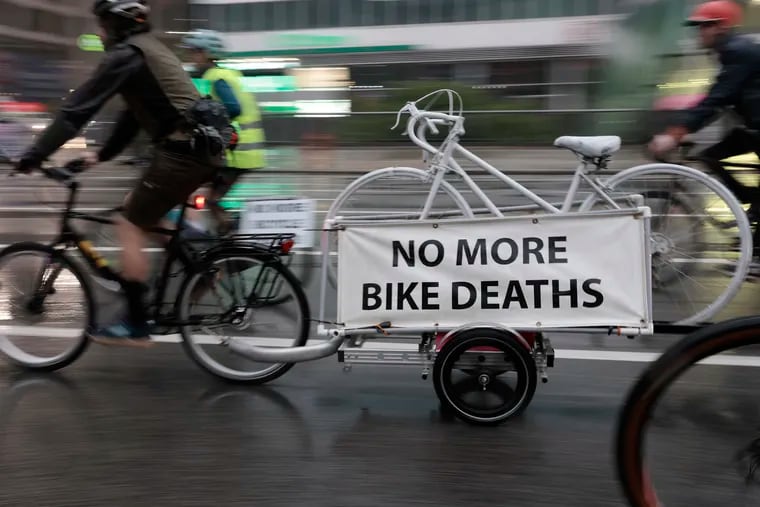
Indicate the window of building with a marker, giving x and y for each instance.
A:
(276, 15)
(517, 9)
(449, 10)
(306, 14)
(217, 17)
(586, 7)
(238, 17)
(354, 12)
(199, 14)
(299, 11)
(391, 16)
(410, 12)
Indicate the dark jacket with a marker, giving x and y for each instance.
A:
(152, 82)
(737, 85)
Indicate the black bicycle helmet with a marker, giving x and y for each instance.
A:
(129, 9)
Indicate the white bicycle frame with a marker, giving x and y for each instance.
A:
(604, 191)
(443, 162)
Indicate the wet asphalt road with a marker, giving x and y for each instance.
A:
(147, 428)
(124, 427)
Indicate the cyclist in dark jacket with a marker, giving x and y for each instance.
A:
(737, 86)
(157, 92)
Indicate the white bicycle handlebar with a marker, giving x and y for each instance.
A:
(418, 135)
(429, 119)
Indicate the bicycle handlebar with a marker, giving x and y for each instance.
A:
(428, 120)
(60, 174)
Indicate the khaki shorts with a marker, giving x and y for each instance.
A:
(169, 181)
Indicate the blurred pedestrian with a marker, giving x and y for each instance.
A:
(205, 48)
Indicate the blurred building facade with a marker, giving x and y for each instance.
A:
(327, 58)
(545, 49)
(545, 64)
(43, 53)
(556, 50)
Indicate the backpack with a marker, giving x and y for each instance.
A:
(210, 128)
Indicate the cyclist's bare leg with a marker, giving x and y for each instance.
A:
(220, 216)
(135, 270)
(223, 183)
(171, 178)
(134, 261)
(161, 239)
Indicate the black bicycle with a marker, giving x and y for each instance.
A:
(211, 290)
(699, 209)
(689, 433)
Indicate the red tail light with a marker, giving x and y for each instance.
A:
(199, 202)
(287, 246)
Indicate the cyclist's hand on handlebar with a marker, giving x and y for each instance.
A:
(87, 160)
(26, 165)
(661, 145)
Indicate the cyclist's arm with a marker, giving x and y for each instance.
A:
(123, 133)
(227, 97)
(118, 65)
(737, 67)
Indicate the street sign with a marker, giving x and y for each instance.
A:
(280, 216)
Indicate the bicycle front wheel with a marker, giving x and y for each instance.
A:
(46, 307)
(698, 264)
(688, 432)
(247, 297)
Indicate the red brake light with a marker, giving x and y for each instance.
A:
(287, 245)
(199, 202)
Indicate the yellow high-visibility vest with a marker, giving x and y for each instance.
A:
(250, 153)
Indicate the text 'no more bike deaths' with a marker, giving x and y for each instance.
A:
(527, 273)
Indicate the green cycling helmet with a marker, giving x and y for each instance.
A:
(206, 40)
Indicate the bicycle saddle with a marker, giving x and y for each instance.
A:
(590, 146)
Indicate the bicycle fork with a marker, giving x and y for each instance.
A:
(44, 285)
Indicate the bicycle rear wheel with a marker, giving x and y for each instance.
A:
(46, 307)
(214, 309)
(698, 265)
(678, 430)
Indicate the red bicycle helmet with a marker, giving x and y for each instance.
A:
(726, 13)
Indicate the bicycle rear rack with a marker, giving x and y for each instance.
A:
(281, 243)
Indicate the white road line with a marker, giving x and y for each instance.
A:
(110, 249)
(62, 189)
(570, 354)
(297, 252)
(57, 210)
(47, 210)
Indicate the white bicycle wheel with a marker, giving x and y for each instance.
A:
(394, 193)
(698, 266)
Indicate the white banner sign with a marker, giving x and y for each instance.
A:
(527, 272)
(278, 216)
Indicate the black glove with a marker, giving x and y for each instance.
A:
(26, 165)
(77, 165)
